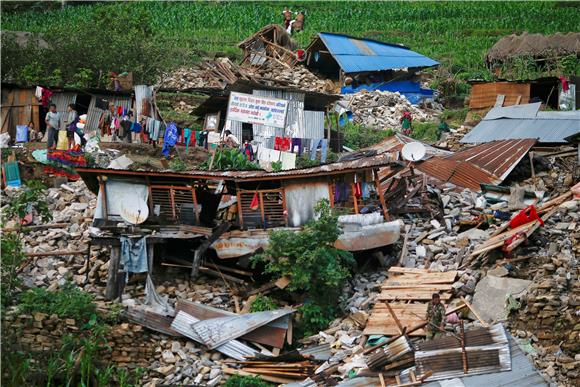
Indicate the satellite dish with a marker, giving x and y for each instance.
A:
(135, 211)
(413, 151)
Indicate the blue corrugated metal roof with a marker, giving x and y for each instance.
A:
(508, 123)
(356, 55)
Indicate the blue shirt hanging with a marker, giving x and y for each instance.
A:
(169, 139)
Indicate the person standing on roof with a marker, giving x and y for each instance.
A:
(407, 123)
(435, 317)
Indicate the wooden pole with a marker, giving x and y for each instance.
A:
(111, 292)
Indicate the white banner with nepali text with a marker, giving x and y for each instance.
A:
(257, 110)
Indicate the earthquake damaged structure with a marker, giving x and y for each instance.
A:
(366, 64)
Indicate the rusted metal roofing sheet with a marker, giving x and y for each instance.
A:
(487, 163)
(322, 170)
(221, 330)
(459, 173)
(497, 157)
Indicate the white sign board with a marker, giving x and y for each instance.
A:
(257, 110)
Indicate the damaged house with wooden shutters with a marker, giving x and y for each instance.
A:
(211, 221)
(189, 217)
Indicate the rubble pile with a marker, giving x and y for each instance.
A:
(549, 310)
(72, 207)
(222, 71)
(299, 77)
(451, 140)
(384, 109)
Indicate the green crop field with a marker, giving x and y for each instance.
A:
(457, 34)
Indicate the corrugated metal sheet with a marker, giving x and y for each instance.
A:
(526, 111)
(522, 373)
(459, 173)
(524, 121)
(484, 95)
(322, 170)
(94, 113)
(62, 100)
(233, 348)
(358, 55)
(313, 125)
(294, 116)
(221, 330)
(497, 157)
(142, 92)
(485, 355)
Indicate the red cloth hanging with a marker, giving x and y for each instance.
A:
(255, 204)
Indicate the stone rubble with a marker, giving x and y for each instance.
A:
(547, 317)
(384, 109)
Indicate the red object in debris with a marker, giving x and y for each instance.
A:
(527, 215)
(300, 55)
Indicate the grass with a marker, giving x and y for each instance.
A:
(457, 34)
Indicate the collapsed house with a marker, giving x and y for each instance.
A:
(366, 64)
(269, 43)
(233, 211)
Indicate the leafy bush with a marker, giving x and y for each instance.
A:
(263, 303)
(308, 257)
(246, 381)
(11, 256)
(177, 164)
(426, 131)
(68, 302)
(276, 166)
(30, 198)
(358, 136)
(314, 318)
(229, 159)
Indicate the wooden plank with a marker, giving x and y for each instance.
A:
(433, 287)
(232, 371)
(409, 295)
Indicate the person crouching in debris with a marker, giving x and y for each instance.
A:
(407, 123)
(435, 317)
(230, 140)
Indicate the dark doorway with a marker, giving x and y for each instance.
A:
(82, 103)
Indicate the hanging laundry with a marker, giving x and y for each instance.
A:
(565, 86)
(169, 139)
(45, 99)
(134, 255)
(288, 160)
(255, 204)
(297, 146)
(323, 149)
(365, 190)
(187, 138)
(282, 143)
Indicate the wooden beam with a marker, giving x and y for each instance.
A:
(111, 292)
